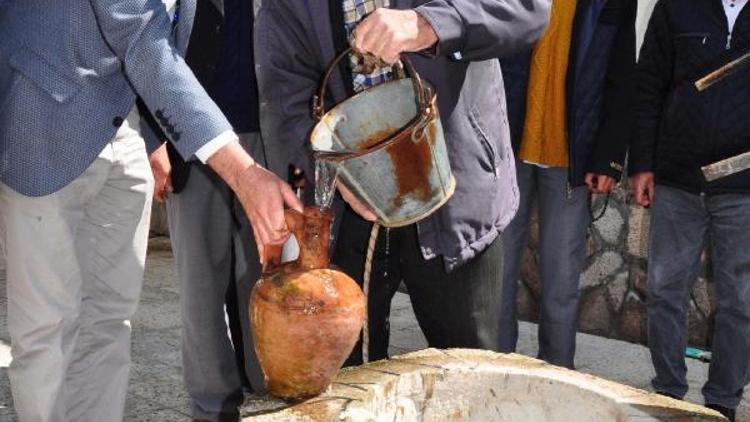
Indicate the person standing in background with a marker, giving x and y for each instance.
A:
(215, 256)
(451, 261)
(680, 130)
(571, 111)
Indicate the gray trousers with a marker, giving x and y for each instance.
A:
(74, 262)
(563, 220)
(681, 224)
(214, 247)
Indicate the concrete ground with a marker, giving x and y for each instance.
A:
(157, 393)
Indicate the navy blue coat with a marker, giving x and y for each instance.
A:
(601, 90)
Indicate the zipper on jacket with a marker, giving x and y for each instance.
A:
(702, 35)
(571, 159)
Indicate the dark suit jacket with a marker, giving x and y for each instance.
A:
(202, 56)
(295, 44)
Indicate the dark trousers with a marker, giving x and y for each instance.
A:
(457, 309)
(681, 224)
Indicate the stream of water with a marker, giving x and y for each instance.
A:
(326, 174)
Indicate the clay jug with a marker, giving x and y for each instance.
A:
(305, 317)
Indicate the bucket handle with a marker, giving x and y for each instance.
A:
(423, 93)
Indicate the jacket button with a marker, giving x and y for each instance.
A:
(117, 121)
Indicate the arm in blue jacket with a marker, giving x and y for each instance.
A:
(140, 34)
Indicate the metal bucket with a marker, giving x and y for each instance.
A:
(388, 145)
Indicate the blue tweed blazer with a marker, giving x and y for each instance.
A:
(70, 72)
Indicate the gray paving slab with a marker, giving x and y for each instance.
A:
(157, 391)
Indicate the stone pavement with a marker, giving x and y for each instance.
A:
(157, 393)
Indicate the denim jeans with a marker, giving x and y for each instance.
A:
(681, 224)
(563, 219)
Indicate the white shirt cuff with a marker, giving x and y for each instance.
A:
(206, 151)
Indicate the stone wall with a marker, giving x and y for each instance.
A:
(613, 283)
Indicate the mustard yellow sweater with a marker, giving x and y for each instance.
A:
(545, 136)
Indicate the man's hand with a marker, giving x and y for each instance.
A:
(260, 192)
(600, 183)
(386, 33)
(643, 188)
(358, 206)
(162, 170)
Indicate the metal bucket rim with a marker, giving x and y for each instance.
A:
(389, 140)
(419, 84)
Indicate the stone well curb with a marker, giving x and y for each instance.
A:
(467, 385)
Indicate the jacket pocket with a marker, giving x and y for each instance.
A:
(693, 36)
(490, 149)
(43, 75)
(693, 52)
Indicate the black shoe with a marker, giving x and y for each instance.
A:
(729, 413)
(670, 395)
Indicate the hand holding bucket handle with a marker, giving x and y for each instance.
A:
(425, 113)
(396, 160)
(423, 93)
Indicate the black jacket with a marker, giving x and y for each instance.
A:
(203, 55)
(600, 91)
(680, 129)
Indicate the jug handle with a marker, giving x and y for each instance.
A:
(423, 94)
(295, 222)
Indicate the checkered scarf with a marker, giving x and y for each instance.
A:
(355, 11)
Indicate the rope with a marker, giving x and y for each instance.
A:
(366, 288)
(596, 218)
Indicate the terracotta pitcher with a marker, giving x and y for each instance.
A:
(306, 317)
